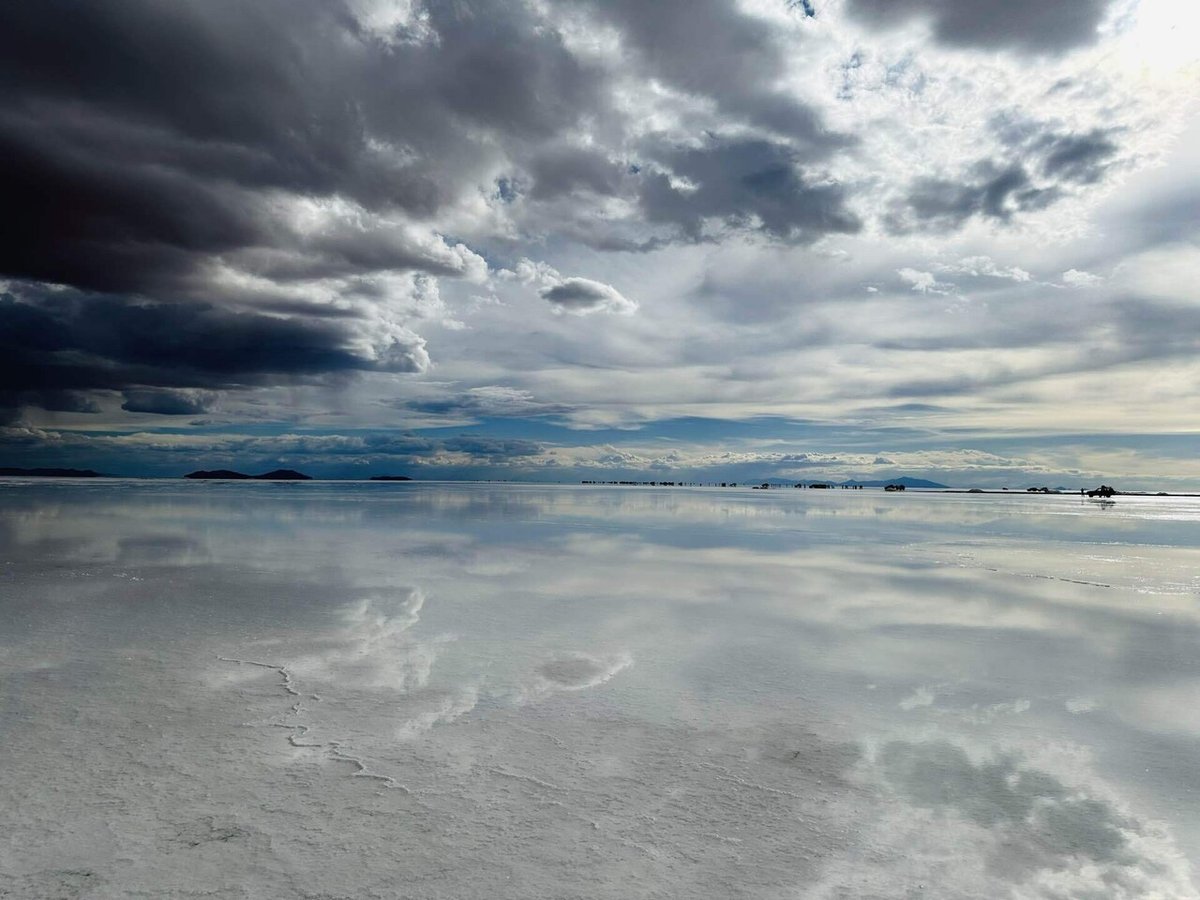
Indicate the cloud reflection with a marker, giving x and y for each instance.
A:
(871, 697)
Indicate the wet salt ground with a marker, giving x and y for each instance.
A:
(513, 691)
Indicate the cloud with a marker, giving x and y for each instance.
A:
(738, 183)
(1024, 25)
(567, 170)
(489, 401)
(168, 402)
(1074, 157)
(51, 399)
(989, 190)
(715, 50)
(284, 102)
(575, 295)
(1080, 279)
(290, 205)
(69, 341)
(923, 282)
(273, 148)
(977, 266)
(582, 296)
(492, 450)
(1041, 165)
(1081, 158)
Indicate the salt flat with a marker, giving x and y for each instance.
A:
(483, 690)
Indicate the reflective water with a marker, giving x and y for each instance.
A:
(434, 690)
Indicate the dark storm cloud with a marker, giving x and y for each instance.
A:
(143, 137)
(150, 144)
(743, 183)
(1033, 26)
(163, 402)
(54, 345)
(51, 399)
(145, 142)
(569, 170)
(710, 48)
(763, 179)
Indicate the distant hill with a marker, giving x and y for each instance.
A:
(390, 478)
(51, 473)
(905, 480)
(229, 475)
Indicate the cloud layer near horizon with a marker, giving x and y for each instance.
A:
(346, 218)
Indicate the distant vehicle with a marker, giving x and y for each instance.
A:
(893, 487)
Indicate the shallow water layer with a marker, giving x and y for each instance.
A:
(436, 690)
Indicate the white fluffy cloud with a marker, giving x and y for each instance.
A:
(923, 282)
(1076, 278)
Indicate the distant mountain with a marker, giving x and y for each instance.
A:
(390, 478)
(229, 475)
(904, 480)
(51, 473)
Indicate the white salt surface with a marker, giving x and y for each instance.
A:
(422, 690)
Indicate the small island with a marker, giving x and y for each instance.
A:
(390, 478)
(229, 475)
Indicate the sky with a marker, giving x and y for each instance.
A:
(560, 240)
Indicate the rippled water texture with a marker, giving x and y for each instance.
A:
(423, 690)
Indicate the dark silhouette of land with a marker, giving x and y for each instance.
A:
(50, 473)
(230, 475)
(390, 478)
(904, 481)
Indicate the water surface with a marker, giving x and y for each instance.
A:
(440, 690)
